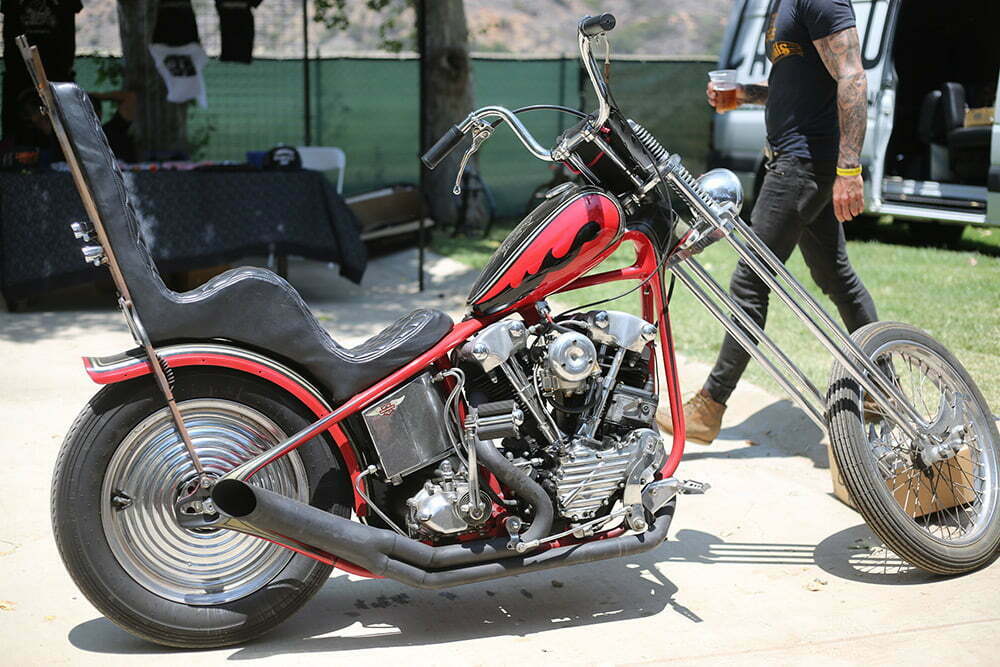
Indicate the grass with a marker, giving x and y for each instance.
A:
(952, 294)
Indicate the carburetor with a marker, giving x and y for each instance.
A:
(570, 360)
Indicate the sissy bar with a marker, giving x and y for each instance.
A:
(103, 252)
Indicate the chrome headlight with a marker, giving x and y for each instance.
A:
(723, 186)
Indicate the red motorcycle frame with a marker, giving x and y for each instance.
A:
(644, 269)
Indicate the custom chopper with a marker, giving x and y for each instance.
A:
(238, 453)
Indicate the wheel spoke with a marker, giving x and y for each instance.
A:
(948, 501)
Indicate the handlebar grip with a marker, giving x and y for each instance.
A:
(592, 26)
(444, 146)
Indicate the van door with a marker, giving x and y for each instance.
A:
(876, 20)
(993, 180)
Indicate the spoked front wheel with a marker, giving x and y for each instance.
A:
(936, 507)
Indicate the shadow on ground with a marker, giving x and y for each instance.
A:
(778, 429)
(374, 613)
(902, 235)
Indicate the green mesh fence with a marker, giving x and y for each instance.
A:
(368, 107)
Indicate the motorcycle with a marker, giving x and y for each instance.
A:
(238, 454)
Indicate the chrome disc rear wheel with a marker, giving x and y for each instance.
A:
(151, 469)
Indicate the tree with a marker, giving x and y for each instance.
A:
(446, 98)
(160, 125)
(446, 95)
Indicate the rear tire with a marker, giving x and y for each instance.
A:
(135, 564)
(872, 455)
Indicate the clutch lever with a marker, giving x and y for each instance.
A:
(481, 131)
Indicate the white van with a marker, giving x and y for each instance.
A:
(928, 62)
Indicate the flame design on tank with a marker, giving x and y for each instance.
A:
(556, 243)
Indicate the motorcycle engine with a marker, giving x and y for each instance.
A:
(571, 403)
(586, 389)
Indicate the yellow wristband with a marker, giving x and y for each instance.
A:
(854, 171)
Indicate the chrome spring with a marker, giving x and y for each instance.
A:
(168, 372)
(675, 167)
(673, 164)
(647, 139)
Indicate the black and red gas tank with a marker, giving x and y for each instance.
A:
(566, 236)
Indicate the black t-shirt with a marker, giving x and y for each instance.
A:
(175, 23)
(236, 26)
(48, 24)
(51, 26)
(802, 96)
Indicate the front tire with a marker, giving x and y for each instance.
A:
(122, 466)
(943, 518)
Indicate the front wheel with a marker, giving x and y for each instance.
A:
(941, 516)
(120, 471)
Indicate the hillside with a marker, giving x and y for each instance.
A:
(506, 26)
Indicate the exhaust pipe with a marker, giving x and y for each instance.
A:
(254, 510)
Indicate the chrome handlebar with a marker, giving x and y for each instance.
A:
(476, 122)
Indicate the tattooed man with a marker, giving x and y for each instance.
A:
(816, 116)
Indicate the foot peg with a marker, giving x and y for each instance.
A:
(695, 488)
(657, 494)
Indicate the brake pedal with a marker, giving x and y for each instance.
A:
(690, 486)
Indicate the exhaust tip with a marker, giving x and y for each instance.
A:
(234, 498)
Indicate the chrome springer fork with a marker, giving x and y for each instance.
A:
(721, 220)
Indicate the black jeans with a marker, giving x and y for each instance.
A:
(795, 206)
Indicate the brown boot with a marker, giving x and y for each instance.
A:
(702, 418)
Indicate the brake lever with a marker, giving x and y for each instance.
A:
(481, 131)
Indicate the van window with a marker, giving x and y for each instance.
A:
(871, 30)
(748, 53)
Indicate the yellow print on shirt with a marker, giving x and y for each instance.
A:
(781, 50)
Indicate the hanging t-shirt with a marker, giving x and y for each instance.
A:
(181, 68)
(236, 26)
(175, 23)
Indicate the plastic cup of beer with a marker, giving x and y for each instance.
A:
(724, 83)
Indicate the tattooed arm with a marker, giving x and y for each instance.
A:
(753, 93)
(841, 53)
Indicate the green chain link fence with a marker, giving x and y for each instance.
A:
(368, 106)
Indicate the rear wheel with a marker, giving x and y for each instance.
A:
(120, 471)
(941, 516)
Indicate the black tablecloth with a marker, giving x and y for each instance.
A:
(190, 219)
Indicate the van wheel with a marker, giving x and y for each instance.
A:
(936, 233)
(862, 228)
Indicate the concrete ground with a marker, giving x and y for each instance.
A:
(767, 567)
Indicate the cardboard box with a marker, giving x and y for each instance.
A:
(979, 117)
(960, 469)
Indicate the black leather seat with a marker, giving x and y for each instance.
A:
(968, 147)
(249, 306)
